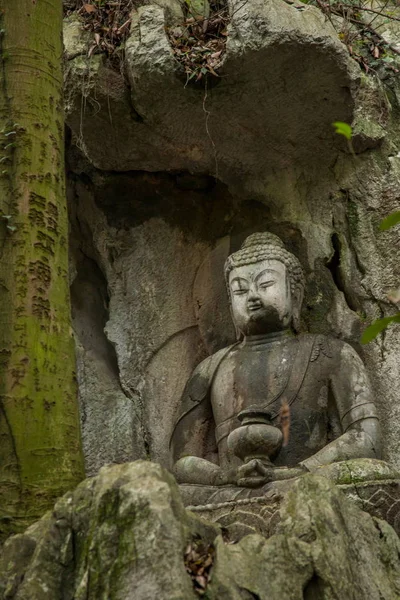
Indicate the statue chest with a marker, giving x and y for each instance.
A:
(262, 378)
(246, 378)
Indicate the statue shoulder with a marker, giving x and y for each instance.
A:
(325, 346)
(318, 344)
(198, 386)
(206, 369)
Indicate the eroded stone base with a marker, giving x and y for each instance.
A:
(124, 535)
(372, 484)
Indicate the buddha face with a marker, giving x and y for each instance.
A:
(261, 297)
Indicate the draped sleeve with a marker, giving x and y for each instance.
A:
(194, 429)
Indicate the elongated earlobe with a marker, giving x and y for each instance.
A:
(297, 299)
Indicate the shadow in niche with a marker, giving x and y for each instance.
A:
(334, 264)
(197, 204)
(89, 300)
(314, 589)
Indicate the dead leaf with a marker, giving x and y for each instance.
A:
(376, 52)
(89, 8)
(212, 71)
(97, 38)
(198, 563)
(201, 581)
(92, 47)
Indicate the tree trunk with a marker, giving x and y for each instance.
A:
(40, 449)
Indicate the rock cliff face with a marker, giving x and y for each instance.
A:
(166, 179)
(125, 535)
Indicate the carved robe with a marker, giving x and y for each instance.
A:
(323, 380)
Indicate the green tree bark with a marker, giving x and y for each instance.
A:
(40, 449)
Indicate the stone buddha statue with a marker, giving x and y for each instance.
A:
(277, 403)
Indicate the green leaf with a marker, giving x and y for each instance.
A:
(377, 327)
(343, 129)
(390, 221)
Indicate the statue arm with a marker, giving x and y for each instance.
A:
(193, 443)
(354, 402)
(193, 430)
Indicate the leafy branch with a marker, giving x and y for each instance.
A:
(346, 131)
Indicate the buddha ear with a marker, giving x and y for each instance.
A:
(297, 301)
(238, 333)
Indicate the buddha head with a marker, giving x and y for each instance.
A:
(265, 286)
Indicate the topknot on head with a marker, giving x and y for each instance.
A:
(262, 239)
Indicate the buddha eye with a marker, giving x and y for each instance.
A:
(266, 284)
(239, 286)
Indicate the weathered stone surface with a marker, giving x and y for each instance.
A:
(123, 535)
(284, 171)
(76, 39)
(273, 52)
(324, 549)
(111, 419)
(232, 404)
(150, 248)
(373, 485)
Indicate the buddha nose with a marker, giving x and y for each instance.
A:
(253, 295)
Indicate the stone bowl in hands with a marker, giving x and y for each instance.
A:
(256, 438)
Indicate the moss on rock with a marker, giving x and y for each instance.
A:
(123, 535)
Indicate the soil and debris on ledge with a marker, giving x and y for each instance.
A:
(108, 20)
(199, 42)
(363, 27)
(199, 559)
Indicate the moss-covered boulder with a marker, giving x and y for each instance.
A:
(120, 535)
(125, 535)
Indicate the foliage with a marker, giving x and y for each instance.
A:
(390, 221)
(346, 131)
(343, 129)
(377, 327)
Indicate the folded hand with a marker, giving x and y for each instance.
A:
(255, 473)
